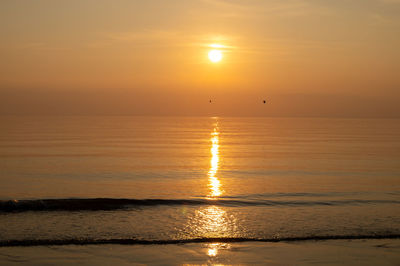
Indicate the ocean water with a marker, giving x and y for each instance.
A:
(192, 179)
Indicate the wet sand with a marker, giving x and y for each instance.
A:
(331, 252)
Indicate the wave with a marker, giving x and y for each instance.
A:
(97, 204)
(313, 194)
(130, 241)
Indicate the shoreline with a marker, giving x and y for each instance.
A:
(347, 252)
(82, 242)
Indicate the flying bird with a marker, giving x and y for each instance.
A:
(264, 101)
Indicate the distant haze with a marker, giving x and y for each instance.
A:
(305, 58)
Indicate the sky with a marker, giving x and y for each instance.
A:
(124, 57)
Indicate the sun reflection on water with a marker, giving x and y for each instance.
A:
(214, 248)
(214, 183)
(212, 222)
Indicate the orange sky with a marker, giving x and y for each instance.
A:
(307, 58)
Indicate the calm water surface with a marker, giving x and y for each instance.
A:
(174, 178)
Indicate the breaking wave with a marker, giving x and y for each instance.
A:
(95, 204)
(130, 241)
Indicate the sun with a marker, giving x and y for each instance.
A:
(215, 56)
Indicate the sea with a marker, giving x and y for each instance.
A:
(173, 180)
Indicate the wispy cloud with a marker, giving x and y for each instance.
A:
(390, 1)
(149, 35)
(164, 38)
(42, 46)
(231, 3)
(255, 8)
(145, 37)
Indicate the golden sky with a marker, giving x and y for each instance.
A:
(306, 57)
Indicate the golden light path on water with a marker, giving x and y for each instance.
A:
(214, 183)
(214, 218)
(213, 221)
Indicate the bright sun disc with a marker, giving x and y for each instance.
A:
(215, 56)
